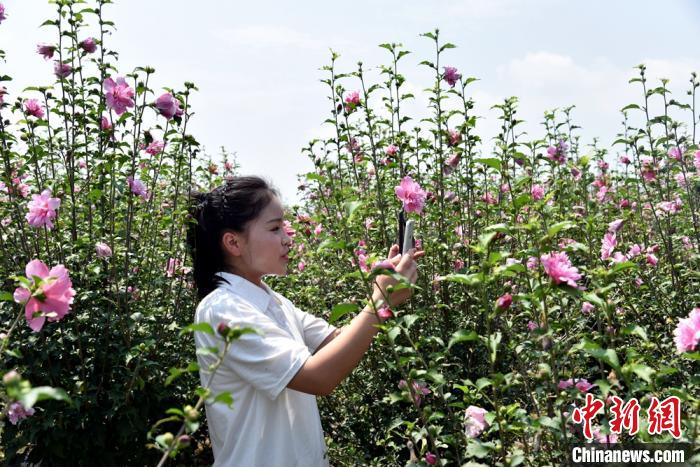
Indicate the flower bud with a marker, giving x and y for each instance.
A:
(11, 377)
(191, 413)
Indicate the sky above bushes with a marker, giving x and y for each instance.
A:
(257, 63)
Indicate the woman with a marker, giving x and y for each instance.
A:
(274, 376)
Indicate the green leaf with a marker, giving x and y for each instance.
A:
(691, 355)
(6, 297)
(199, 327)
(559, 226)
(643, 371)
(462, 336)
(635, 329)
(466, 279)
(176, 372)
(493, 342)
(350, 208)
(491, 162)
(340, 310)
(34, 395)
(593, 349)
(224, 397)
(329, 243)
(481, 383)
(622, 266)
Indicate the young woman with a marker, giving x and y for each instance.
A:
(239, 237)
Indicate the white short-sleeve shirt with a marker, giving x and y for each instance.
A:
(269, 424)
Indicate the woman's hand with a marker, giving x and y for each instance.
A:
(406, 266)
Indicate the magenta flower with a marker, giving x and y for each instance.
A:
(625, 160)
(586, 308)
(301, 266)
(16, 411)
(609, 244)
(352, 101)
(42, 210)
(385, 313)
(168, 106)
(62, 70)
(137, 187)
(474, 421)
(430, 458)
(558, 153)
(3, 91)
(34, 108)
(2, 13)
(504, 301)
(119, 95)
(156, 147)
(559, 268)
(103, 250)
(602, 438)
(419, 390)
(537, 192)
(451, 76)
(652, 259)
(391, 150)
(45, 50)
(696, 160)
(687, 333)
(88, 45)
(583, 385)
(531, 325)
(50, 295)
(318, 229)
(565, 384)
(412, 195)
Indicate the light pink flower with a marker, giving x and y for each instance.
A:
(88, 45)
(559, 268)
(531, 325)
(119, 95)
(50, 294)
(16, 411)
(173, 264)
(453, 160)
(62, 70)
(168, 106)
(609, 244)
(458, 264)
(558, 153)
(615, 225)
(103, 250)
(318, 229)
(352, 101)
(45, 50)
(454, 137)
(602, 438)
(587, 307)
(412, 195)
(137, 187)
(42, 210)
(676, 153)
(537, 192)
(532, 263)
(155, 147)
(696, 160)
(2, 13)
(576, 173)
(105, 124)
(488, 198)
(625, 160)
(34, 108)
(474, 421)
(301, 266)
(451, 76)
(392, 150)
(687, 333)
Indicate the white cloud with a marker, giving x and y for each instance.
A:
(269, 36)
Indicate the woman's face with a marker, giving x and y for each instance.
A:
(265, 248)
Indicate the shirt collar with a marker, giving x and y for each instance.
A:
(246, 289)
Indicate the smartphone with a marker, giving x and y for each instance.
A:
(405, 237)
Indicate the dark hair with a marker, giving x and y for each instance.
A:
(228, 207)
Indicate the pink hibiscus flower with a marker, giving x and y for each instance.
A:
(474, 421)
(168, 106)
(42, 210)
(49, 296)
(119, 95)
(687, 333)
(451, 76)
(412, 195)
(559, 268)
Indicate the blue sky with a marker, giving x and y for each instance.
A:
(257, 63)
